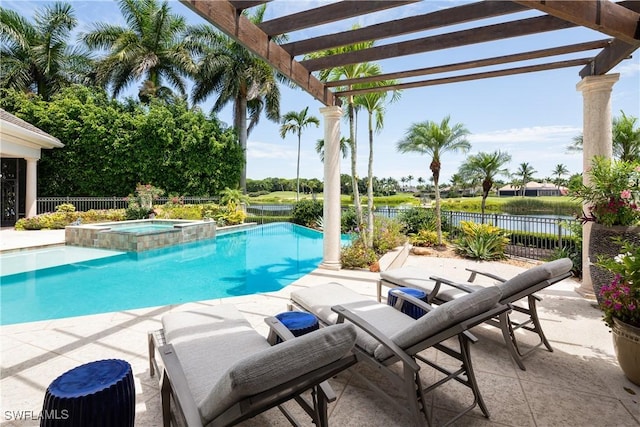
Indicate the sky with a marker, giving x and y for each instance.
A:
(533, 117)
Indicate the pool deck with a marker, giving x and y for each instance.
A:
(579, 384)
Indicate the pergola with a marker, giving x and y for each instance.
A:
(617, 22)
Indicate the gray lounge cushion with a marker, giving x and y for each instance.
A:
(320, 298)
(274, 366)
(206, 321)
(441, 318)
(409, 277)
(418, 278)
(535, 275)
(207, 341)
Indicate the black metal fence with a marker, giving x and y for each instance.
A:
(532, 237)
(83, 204)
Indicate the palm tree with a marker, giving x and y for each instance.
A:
(237, 76)
(404, 180)
(410, 181)
(153, 47)
(625, 139)
(233, 197)
(559, 171)
(294, 122)
(36, 56)
(486, 166)
(435, 139)
(344, 147)
(350, 71)
(523, 176)
(373, 103)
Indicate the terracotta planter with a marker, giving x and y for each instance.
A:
(600, 244)
(626, 343)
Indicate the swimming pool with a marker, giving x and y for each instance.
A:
(260, 259)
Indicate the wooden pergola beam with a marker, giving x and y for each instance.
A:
(608, 58)
(604, 16)
(468, 77)
(246, 4)
(230, 21)
(505, 30)
(498, 60)
(428, 21)
(326, 14)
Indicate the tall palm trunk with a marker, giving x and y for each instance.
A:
(241, 127)
(486, 187)
(354, 172)
(369, 240)
(298, 169)
(435, 170)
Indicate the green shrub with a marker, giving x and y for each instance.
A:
(357, 255)
(424, 238)
(572, 249)
(178, 211)
(32, 223)
(481, 241)
(348, 222)
(65, 207)
(306, 212)
(137, 212)
(387, 235)
(416, 219)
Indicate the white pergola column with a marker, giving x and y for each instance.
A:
(32, 187)
(596, 141)
(331, 212)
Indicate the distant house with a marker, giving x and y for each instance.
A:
(20, 146)
(533, 189)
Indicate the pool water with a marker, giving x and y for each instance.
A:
(151, 228)
(261, 259)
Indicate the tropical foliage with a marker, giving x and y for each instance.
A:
(152, 47)
(485, 167)
(112, 145)
(36, 56)
(625, 139)
(481, 241)
(434, 139)
(294, 122)
(236, 76)
(613, 193)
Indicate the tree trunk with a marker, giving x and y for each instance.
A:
(241, 127)
(370, 227)
(435, 170)
(354, 171)
(298, 170)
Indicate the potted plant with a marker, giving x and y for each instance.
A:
(612, 202)
(621, 306)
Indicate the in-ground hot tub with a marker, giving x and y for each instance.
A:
(139, 235)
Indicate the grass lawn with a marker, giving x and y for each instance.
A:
(286, 197)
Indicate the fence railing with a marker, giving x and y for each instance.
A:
(83, 204)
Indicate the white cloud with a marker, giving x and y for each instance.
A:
(264, 150)
(536, 134)
(627, 68)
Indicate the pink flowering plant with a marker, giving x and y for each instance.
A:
(621, 298)
(613, 196)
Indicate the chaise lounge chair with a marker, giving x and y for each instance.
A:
(216, 370)
(387, 336)
(520, 287)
